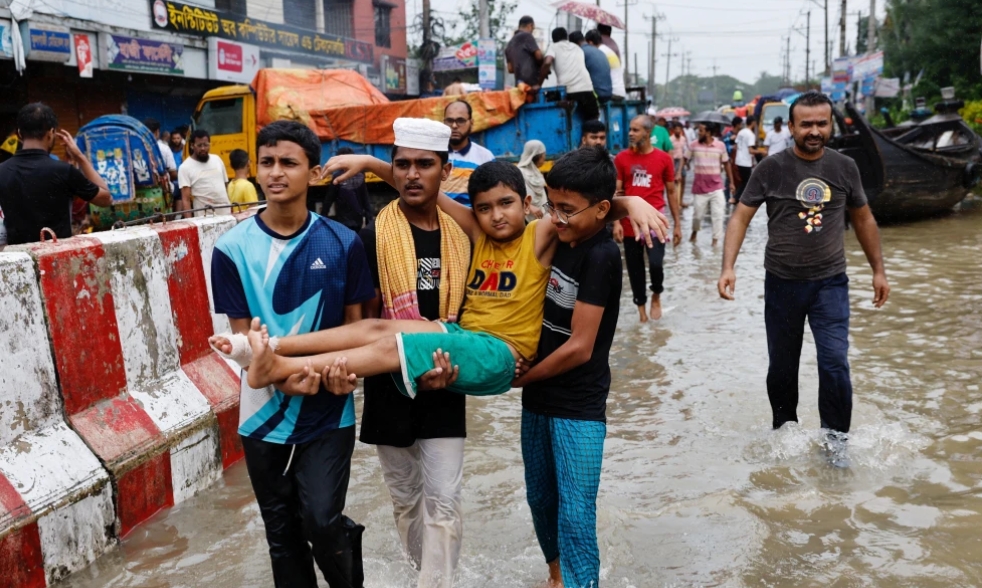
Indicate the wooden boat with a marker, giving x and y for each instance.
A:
(913, 170)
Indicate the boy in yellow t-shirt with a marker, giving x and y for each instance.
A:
(505, 290)
(240, 189)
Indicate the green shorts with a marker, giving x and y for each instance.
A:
(487, 366)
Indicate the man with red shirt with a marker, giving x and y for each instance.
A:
(645, 171)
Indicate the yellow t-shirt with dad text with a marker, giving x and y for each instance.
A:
(506, 290)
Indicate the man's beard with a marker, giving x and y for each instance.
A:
(203, 158)
(805, 148)
(460, 141)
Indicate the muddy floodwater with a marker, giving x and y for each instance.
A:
(696, 488)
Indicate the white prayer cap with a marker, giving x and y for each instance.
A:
(421, 133)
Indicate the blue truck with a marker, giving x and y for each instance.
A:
(229, 114)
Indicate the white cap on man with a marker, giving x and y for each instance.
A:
(421, 133)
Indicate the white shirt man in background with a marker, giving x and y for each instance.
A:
(202, 177)
(165, 151)
(745, 151)
(778, 139)
(570, 65)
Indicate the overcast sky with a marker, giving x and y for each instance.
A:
(742, 37)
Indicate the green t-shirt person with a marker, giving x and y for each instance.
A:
(660, 139)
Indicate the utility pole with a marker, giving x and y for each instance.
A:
(715, 95)
(668, 63)
(428, 64)
(787, 61)
(842, 31)
(653, 52)
(627, 66)
(870, 48)
(485, 25)
(808, 48)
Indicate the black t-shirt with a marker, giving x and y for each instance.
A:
(389, 418)
(36, 192)
(806, 212)
(588, 273)
(520, 51)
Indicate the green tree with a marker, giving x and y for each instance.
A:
(940, 38)
(468, 27)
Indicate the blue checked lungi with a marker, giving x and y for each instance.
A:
(562, 475)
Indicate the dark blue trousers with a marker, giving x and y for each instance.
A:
(825, 303)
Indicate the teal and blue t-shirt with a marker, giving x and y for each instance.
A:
(295, 284)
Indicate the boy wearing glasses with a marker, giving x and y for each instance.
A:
(564, 395)
(465, 155)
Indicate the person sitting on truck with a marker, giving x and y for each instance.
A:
(36, 191)
(524, 56)
(240, 189)
(202, 177)
(465, 155)
(597, 65)
(618, 89)
(571, 71)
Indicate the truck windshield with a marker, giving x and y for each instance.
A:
(220, 117)
(772, 111)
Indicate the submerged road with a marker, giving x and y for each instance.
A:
(696, 488)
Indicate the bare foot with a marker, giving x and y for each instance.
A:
(655, 307)
(221, 343)
(555, 576)
(715, 241)
(642, 315)
(692, 239)
(263, 359)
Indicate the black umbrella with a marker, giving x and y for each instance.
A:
(712, 117)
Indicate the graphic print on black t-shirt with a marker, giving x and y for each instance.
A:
(427, 274)
(388, 416)
(813, 193)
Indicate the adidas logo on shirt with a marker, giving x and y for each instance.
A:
(318, 264)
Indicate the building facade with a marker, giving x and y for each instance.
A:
(155, 58)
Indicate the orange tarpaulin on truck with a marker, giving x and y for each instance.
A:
(340, 104)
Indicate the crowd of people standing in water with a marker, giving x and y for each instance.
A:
(504, 278)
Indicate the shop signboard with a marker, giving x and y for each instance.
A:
(487, 64)
(412, 77)
(229, 61)
(142, 55)
(394, 70)
(456, 57)
(83, 54)
(186, 19)
(46, 42)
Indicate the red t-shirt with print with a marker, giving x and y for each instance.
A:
(644, 175)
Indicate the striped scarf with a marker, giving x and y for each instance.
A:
(397, 266)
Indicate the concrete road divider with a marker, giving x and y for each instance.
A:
(56, 503)
(112, 404)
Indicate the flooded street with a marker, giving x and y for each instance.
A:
(696, 488)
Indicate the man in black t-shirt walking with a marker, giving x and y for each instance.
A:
(37, 191)
(808, 190)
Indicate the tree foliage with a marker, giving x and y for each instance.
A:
(468, 27)
(940, 38)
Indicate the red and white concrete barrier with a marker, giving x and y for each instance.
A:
(56, 503)
(118, 324)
